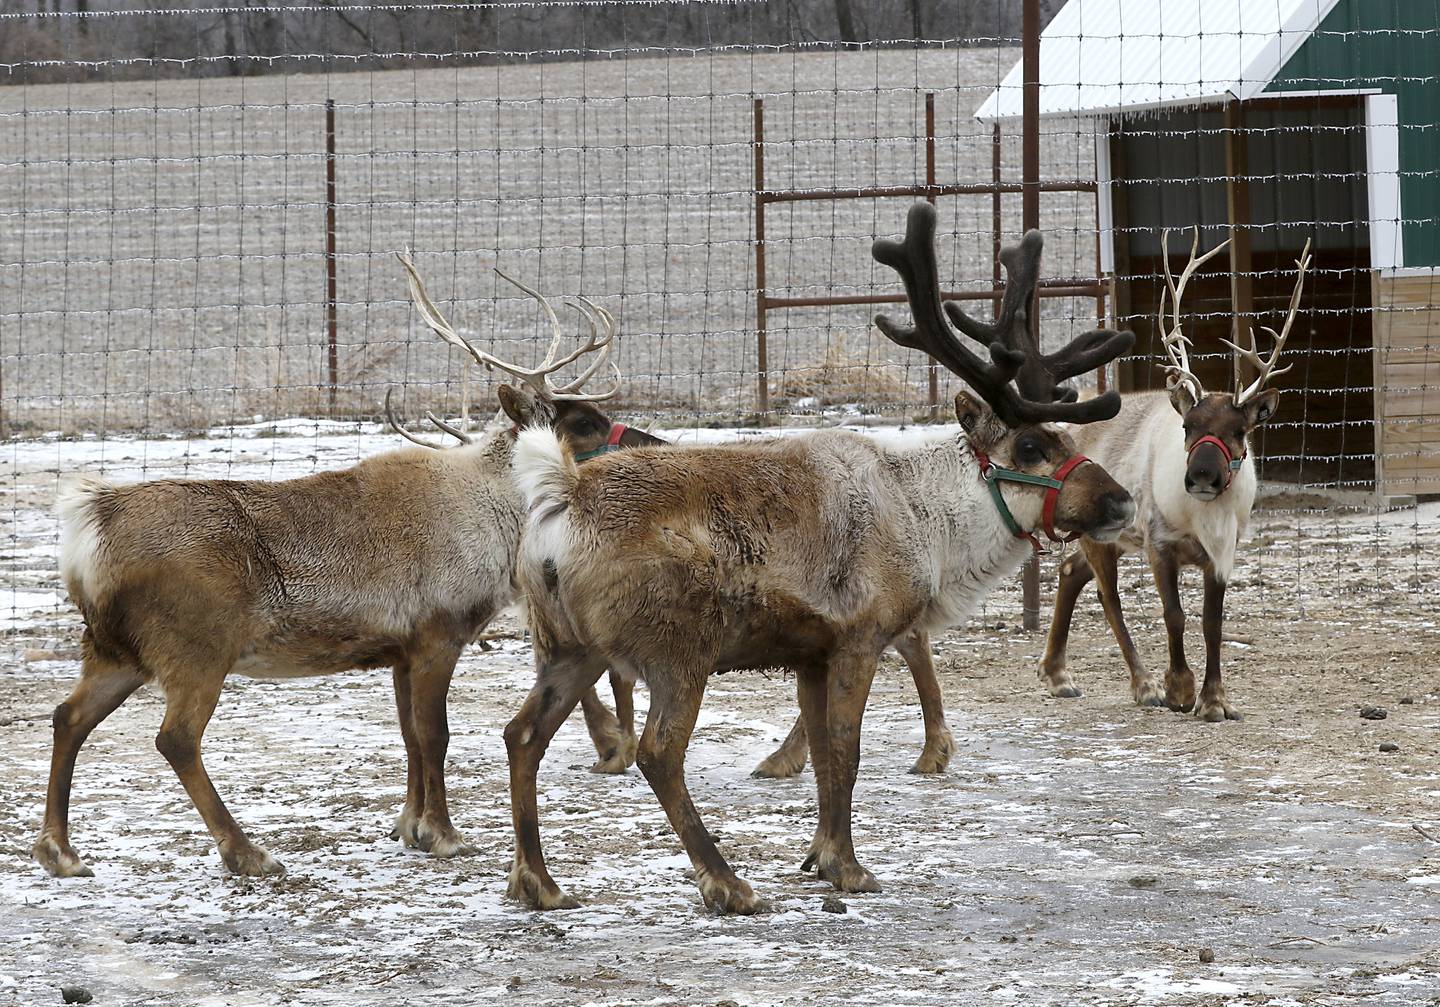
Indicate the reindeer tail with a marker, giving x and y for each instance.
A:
(80, 536)
(544, 471)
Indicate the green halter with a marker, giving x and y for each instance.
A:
(994, 475)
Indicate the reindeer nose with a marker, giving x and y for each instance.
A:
(1119, 509)
(1202, 478)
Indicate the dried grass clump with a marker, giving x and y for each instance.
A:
(845, 378)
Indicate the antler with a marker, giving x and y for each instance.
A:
(1038, 399)
(1174, 339)
(537, 378)
(1266, 367)
(458, 434)
(1041, 375)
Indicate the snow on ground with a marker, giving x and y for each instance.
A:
(1076, 851)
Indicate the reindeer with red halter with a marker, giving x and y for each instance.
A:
(1184, 455)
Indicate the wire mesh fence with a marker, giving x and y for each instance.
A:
(165, 263)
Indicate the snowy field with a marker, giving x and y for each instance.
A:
(162, 264)
(1077, 852)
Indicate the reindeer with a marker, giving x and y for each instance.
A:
(397, 562)
(812, 554)
(1184, 455)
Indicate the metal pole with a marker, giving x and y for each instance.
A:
(1030, 217)
(1237, 206)
(762, 351)
(995, 205)
(1101, 384)
(331, 317)
(934, 376)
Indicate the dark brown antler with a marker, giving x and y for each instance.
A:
(1012, 342)
(1041, 375)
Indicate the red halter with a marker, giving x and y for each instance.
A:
(1232, 464)
(1052, 499)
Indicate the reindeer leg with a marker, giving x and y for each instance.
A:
(190, 698)
(849, 681)
(104, 684)
(1179, 679)
(1103, 559)
(430, 674)
(560, 680)
(606, 733)
(814, 695)
(1214, 706)
(623, 689)
(674, 704)
(1075, 573)
(789, 759)
(409, 819)
(939, 743)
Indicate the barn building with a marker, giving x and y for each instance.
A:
(1272, 123)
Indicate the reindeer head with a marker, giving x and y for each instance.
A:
(1012, 431)
(538, 401)
(1217, 425)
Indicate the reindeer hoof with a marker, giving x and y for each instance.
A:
(618, 755)
(1061, 688)
(60, 861)
(1180, 705)
(612, 763)
(528, 888)
(442, 841)
(1147, 693)
(251, 862)
(779, 765)
(406, 829)
(1214, 711)
(934, 758)
(730, 896)
(447, 847)
(850, 877)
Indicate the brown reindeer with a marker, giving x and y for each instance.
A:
(397, 562)
(1184, 456)
(812, 554)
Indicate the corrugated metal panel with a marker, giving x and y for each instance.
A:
(1389, 45)
(1101, 56)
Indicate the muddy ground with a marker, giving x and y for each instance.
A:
(1077, 851)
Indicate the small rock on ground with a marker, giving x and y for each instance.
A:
(75, 995)
(1206, 956)
(1389, 746)
(833, 904)
(1373, 713)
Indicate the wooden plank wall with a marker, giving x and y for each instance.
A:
(1407, 383)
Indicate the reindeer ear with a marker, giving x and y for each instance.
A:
(1262, 407)
(969, 411)
(1181, 397)
(519, 404)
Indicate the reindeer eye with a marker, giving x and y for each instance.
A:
(1029, 452)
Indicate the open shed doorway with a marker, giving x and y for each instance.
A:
(1303, 164)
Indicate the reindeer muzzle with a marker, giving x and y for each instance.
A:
(994, 475)
(1232, 463)
(612, 443)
